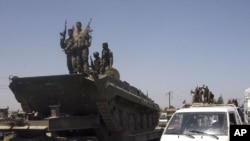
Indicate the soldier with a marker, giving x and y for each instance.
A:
(67, 47)
(82, 44)
(206, 94)
(107, 58)
(97, 62)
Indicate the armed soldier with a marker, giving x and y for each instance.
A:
(67, 46)
(82, 44)
(97, 62)
(107, 58)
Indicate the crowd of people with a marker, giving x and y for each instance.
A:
(76, 48)
(202, 94)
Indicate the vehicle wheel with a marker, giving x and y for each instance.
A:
(125, 119)
(150, 121)
(144, 121)
(116, 117)
(131, 123)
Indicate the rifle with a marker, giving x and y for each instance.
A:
(92, 64)
(87, 28)
(94, 71)
(63, 36)
(88, 37)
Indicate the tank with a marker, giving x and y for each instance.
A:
(116, 107)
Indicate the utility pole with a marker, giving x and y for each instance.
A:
(170, 93)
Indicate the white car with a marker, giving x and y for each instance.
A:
(203, 123)
(163, 120)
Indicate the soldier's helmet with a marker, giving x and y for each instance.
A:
(96, 53)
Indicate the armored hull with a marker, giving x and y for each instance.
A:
(122, 108)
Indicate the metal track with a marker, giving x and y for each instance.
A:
(107, 117)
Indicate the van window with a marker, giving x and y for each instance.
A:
(163, 116)
(198, 122)
(232, 119)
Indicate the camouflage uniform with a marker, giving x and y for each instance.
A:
(97, 62)
(82, 44)
(107, 58)
(67, 46)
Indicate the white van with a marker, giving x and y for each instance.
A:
(202, 122)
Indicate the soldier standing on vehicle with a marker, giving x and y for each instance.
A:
(82, 44)
(97, 62)
(67, 46)
(107, 58)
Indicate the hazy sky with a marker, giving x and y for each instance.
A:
(158, 45)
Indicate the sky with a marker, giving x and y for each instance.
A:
(159, 46)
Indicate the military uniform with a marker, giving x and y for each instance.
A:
(97, 62)
(68, 45)
(82, 43)
(107, 58)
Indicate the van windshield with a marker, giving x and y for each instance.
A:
(193, 123)
(163, 116)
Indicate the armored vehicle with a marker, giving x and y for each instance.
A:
(81, 107)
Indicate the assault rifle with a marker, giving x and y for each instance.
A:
(87, 28)
(94, 71)
(63, 35)
(92, 64)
